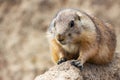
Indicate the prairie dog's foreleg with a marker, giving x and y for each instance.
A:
(58, 54)
(84, 55)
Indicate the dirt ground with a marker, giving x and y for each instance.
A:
(24, 49)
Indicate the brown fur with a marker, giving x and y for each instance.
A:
(96, 46)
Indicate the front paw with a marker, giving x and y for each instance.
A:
(77, 64)
(61, 60)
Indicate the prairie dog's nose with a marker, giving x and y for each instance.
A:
(60, 37)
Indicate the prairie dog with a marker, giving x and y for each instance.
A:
(75, 35)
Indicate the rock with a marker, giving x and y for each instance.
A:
(66, 71)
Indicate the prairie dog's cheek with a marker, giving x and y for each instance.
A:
(75, 37)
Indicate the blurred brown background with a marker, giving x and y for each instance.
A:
(24, 51)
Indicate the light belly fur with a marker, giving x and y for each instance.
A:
(71, 48)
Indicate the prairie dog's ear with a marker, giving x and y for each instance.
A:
(51, 28)
(86, 21)
(78, 15)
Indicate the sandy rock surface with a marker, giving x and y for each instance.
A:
(66, 71)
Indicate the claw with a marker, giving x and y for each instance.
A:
(77, 64)
(61, 60)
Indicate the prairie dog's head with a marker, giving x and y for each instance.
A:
(68, 26)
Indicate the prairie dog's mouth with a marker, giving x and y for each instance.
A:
(62, 42)
(65, 42)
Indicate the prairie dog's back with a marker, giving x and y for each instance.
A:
(107, 41)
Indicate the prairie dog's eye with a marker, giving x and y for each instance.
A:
(71, 24)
